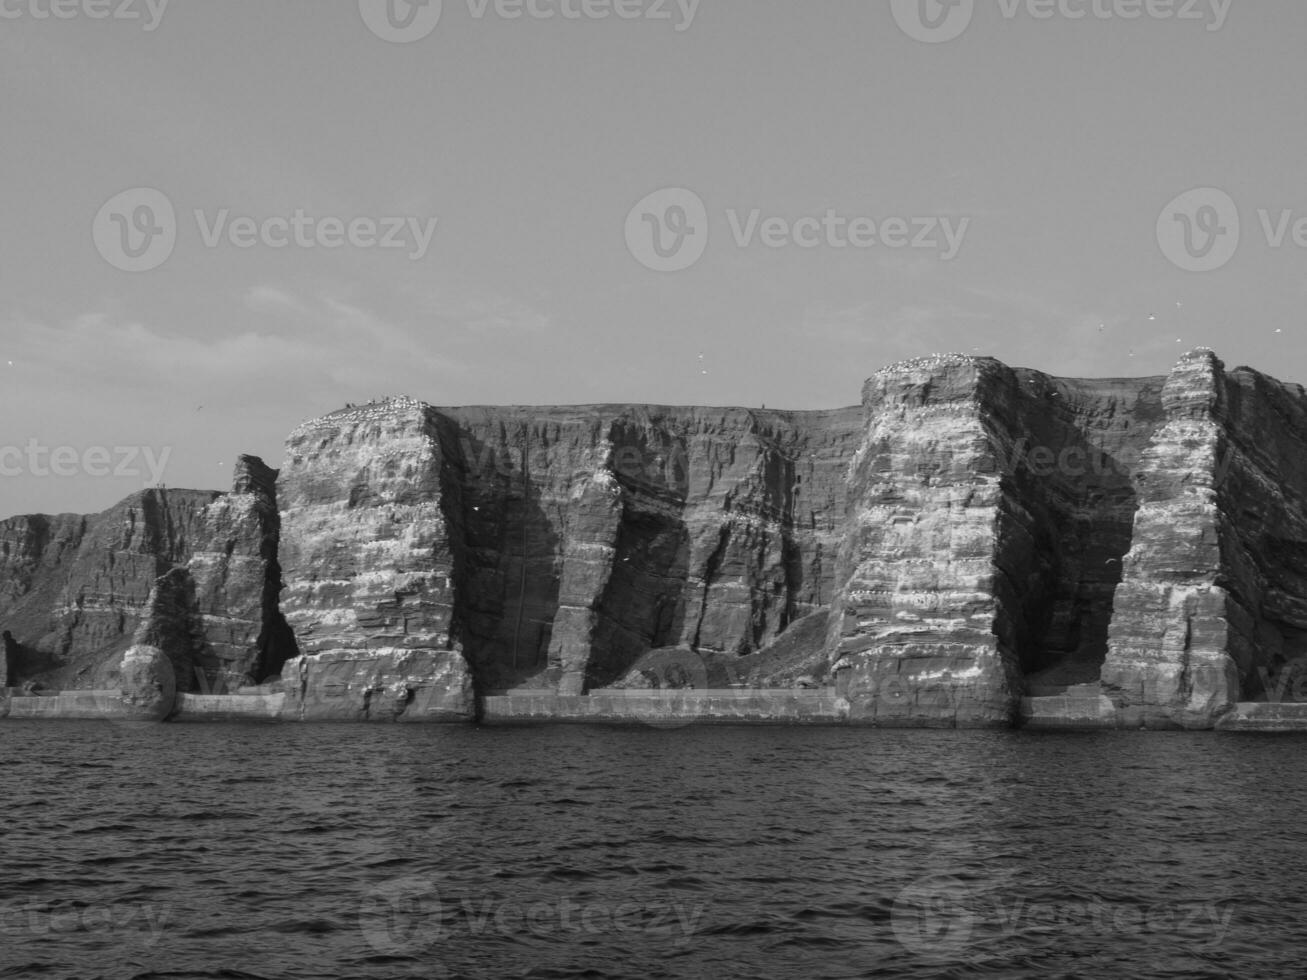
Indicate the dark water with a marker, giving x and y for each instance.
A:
(352, 851)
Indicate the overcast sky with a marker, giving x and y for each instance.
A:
(877, 180)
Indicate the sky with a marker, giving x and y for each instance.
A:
(223, 217)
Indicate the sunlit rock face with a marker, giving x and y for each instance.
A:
(368, 560)
(916, 620)
(1213, 607)
(989, 508)
(1136, 545)
(145, 683)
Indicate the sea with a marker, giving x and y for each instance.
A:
(566, 851)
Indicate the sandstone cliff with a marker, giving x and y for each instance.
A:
(1213, 608)
(974, 545)
(193, 573)
(988, 512)
(553, 547)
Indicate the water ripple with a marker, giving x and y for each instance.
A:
(323, 851)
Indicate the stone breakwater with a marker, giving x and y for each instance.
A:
(974, 545)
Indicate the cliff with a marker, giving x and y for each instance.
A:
(368, 560)
(193, 573)
(974, 545)
(1213, 607)
(553, 547)
(989, 508)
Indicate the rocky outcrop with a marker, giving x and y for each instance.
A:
(143, 685)
(369, 562)
(192, 573)
(1213, 607)
(1118, 553)
(382, 684)
(988, 507)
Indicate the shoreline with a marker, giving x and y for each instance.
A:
(769, 707)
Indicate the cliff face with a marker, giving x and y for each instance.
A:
(916, 620)
(1213, 608)
(592, 535)
(191, 572)
(553, 547)
(368, 560)
(975, 545)
(988, 510)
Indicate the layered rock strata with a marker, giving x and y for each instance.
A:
(1213, 607)
(193, 573)
(975, 545)
(988, 510)
(592, 535)
(553, 547)
(369, 563)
